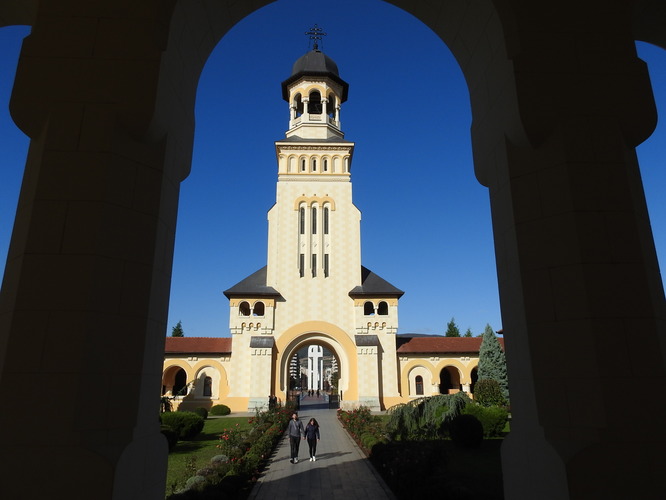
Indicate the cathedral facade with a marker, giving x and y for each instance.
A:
(314, 289)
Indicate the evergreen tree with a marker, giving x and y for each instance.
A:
(468, 333)
(492, 363)
(177, 331)
(452, 329)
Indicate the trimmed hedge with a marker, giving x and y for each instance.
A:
(220, 410)
(492, 418)
(202, 412)
(186, 424)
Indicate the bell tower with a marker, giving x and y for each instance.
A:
(313, 290)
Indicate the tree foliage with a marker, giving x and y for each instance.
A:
(492, 362)
(423, 418)
(468, 333)
(452, 329)
(177, 331)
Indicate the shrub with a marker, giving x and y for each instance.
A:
(492, 418)
(487, 392)
(202, 412)
(466, 431)
(220, 410)
(185, 423)
(194, 481)
(170, 435)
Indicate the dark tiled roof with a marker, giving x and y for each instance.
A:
(252, 286)
(315, 63)
(197, 345)
(374, 286)
(407, 345)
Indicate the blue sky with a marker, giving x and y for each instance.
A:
(425, 218)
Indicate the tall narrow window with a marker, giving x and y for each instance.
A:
(208, 387)
(325, 165)
(314, 220)
(326, 264)
(301, 220)
(314, 265)
(301, 265)
(326, 220)
(314, 165)
(419, 385)
(303, 165)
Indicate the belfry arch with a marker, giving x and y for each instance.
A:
(548, 130)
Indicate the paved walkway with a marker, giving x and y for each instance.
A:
(341, 471)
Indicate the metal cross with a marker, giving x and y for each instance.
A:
(316, 33)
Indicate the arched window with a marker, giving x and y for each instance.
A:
(382, 308)
(208, 387)
(419, 385)
(330, 107)
(314, 164)
(347, 164)
(314, 220)
(303, 165)
(325, 168)
(369, 309)
(326, 211)
(301, 220)
(314, 104)
(244, 309)
(298, 104)
(259, 309)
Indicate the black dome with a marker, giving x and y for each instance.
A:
(314, 63)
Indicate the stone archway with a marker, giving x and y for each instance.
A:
(283, 364)
(336, 341)
(556, 121)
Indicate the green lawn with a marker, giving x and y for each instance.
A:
(189, 456)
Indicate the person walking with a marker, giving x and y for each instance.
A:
(295, 432)
(312, 435)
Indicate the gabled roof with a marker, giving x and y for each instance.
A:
(252, 286)
(374, 286)
(197, 345)
(414, 345)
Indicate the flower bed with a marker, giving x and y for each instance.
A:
(243, 454)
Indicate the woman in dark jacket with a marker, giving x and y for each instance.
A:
(312, 435)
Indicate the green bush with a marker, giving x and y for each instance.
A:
(202, 412)
(492, 418)
(185, 423)
(220, 410)
(466, 431)
(170, 435)
(487, 392)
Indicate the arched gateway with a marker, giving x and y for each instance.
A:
(559, 100)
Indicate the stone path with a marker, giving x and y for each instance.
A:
(341, 471)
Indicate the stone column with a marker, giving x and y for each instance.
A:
(582, 301)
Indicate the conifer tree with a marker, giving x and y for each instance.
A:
(452, 329)
(468, 333)
(177, 331)
(492, 362)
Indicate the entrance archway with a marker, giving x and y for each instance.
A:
(339, 347)
(554, 131)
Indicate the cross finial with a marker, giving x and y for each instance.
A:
(315, 33)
